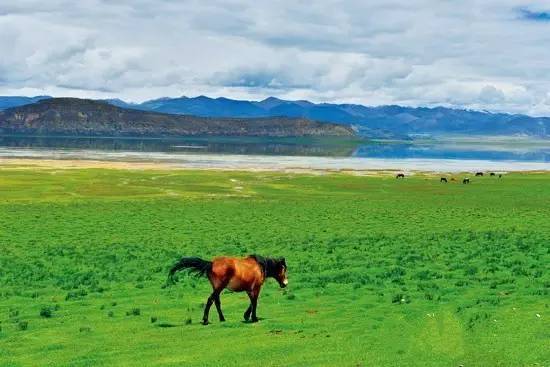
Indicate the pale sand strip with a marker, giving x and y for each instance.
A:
(66, 159)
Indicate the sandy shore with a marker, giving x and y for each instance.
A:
(25, 163)
(69, 159)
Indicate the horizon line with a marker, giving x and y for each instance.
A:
(431, 107)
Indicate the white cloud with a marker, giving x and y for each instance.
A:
(487, 54)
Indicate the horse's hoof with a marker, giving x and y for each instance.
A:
(205, 322)
(222, 320)
(254, 320)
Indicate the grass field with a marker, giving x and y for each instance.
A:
(382, 272)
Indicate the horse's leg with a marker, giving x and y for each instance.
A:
(207, 308)
(250, 308)
(217, 286)
(247, 312)
(254, 303)
(219, 307)
(214, 298)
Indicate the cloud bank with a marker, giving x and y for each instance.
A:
(480, 54)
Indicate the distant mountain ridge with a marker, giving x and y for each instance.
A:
(383, 121)
(83, 117)
(376, 122)
(16, 101)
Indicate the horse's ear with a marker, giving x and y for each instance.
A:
(283, 261)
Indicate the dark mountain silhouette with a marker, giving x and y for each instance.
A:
(72, 116)
(204, 106)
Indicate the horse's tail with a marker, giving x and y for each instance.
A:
(195, 265)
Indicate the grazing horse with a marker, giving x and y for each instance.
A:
(466, 181)
(492, 174)
(400, 175)
(443, 179)
(479, 174)
(237, 274)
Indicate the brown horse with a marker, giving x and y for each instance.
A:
(400, 175)
(237, 274)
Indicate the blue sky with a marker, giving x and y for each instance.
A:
(481, 54)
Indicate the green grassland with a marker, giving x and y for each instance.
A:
(382, 272)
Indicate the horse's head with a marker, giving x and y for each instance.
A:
(280, 272)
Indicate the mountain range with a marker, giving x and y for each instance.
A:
(84, 117)
(16, 101)
(375, 122)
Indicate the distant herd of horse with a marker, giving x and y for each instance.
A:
(465, 180)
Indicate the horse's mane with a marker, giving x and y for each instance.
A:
(267, 264)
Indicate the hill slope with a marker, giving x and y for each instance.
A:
(72, 116)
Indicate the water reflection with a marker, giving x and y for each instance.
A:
(490, 151)
(227, 145)
(323, 147)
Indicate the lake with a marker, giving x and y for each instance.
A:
(523, 151)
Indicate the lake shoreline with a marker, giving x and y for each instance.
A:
(73, 159)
